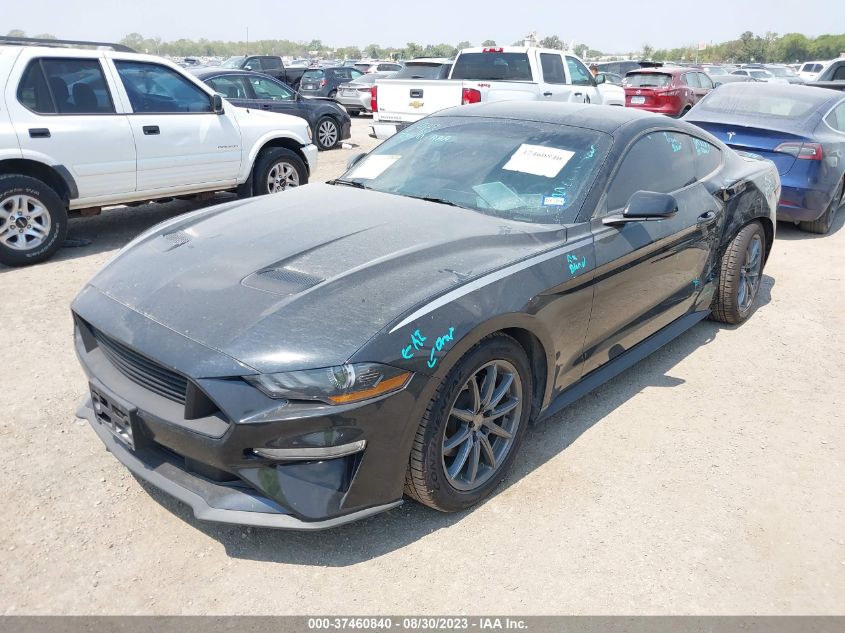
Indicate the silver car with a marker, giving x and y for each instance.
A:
(355, 96)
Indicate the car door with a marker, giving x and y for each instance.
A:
(182, 144)
(692, 86)
(234, 88)
(705, 86)
(583, 79)
(273, 96)
(554, 85)
(63, 111)
(650, 273)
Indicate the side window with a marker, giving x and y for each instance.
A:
(836, 118)
(659, 161)
(271, 63)
(266, 89)
(253, 63)
(552, 66)
(708, 157)
(230, 86)
(691, 80)
(159, 89)
(705, 81)
(579, 73)
(355, 73)
(65, 86)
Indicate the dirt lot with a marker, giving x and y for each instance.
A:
(707, 479)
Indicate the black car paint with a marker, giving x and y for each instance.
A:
(395, 271)
(290, 76)
(312, 110)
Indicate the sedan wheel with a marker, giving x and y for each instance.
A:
(471, 431)
(750, 273)
(328, 133)
(482, 425)
(740, 274)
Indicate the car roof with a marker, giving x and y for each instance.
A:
(605, 119)
(663, 70)
(819, 96)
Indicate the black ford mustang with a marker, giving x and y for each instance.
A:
(302, 360)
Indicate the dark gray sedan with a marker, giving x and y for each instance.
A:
(330, 123)
(305, 359)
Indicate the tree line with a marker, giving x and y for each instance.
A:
(766, 48)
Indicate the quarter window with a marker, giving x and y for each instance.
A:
(157, 89)
(659, 161)
(579, 73)
(836, 118)
(65, 86)
(552, 68)
(708, 157)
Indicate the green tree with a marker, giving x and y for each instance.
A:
(648, 51)
(462, 45)
(552, 41)
(488, 43)
(793, 47)
(16, 33)
(412, 49)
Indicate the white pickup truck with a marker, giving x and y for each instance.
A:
(489, 74)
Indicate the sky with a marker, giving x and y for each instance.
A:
(609, 26)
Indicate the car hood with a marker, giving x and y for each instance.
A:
(306, 277)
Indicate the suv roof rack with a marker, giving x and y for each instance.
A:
(36, 41)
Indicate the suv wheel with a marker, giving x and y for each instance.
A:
(278, 169)
(33, 220)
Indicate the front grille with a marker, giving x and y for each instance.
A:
(142, 370)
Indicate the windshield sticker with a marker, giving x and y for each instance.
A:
(538, 160)
(498, 196)
(574, 264)
(554, 201)
(702, 148)
(419, 130)
(673, 141)
(373, 166)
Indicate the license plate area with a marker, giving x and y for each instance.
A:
(638, 100)
(116, 416)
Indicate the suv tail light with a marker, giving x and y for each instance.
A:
(802, 151)
(374, 98)
(470, 95)
(323, 83)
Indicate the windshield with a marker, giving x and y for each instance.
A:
(715, 70)
(313, 74)
(520, 170)
(782, 72)
(233, 62)
(492, 67)
(647, 80)
(760, 74)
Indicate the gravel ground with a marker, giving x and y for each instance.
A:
(707, 479)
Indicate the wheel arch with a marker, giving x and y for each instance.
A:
(285, 142)
(58, 177)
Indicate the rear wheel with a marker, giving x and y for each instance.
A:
(684, 112)
(822, 225)
(471, 432)
(740, 275)
(278, 169)
(33, 220)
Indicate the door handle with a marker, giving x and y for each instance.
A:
(579, 94)
(266, 106)
(547, 94)
(151, 129)
(39, 132)
(706, 218)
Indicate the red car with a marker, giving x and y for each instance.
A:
(670, 91)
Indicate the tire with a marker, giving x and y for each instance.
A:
(428, 478)
(32, 211)
(327, 133)
(822, 224)
(291, 171)
(740, 274)
(684, 112)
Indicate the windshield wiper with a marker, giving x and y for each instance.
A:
(348, 183)
(438, 200)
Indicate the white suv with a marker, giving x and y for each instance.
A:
(82, 129)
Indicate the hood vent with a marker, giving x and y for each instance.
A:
(176, 239)
(282, 280)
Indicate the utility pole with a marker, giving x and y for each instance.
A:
(247, 41)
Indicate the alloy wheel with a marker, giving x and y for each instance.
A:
(327, 134)
(482, 425)
(750, 273)
(24, 222)
(281, 176)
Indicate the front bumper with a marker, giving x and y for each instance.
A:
(310, 152)
(209, 500)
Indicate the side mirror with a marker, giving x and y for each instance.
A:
(645, 206)
(216, 103)
(354, 160)
(600, 79)
(716, 84)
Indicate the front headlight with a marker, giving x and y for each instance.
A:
(333, 385)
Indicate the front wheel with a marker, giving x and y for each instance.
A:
(278, 169)
(33, 220)
(471, 432)
(740, 275)
(327, 133)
